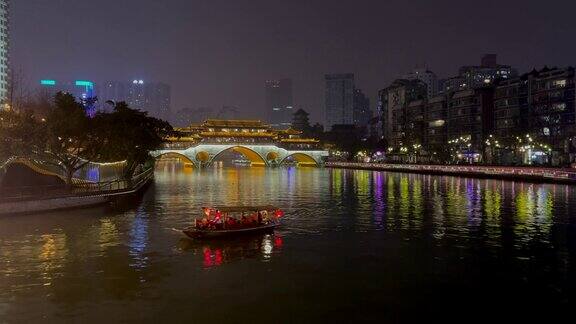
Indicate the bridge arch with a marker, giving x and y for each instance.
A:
(302, 159)
(176, 155)
(255, 158)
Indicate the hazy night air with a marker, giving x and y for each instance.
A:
(287, 161)
(216, 53)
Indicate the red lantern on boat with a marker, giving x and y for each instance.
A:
(279, 213)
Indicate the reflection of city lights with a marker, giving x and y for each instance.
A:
(48, 248)
(108, 235)
(52, 256)
(139, 240)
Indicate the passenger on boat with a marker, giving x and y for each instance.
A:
(202, 224)
(231, 223)
(218, 223)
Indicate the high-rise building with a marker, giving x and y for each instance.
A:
(470, 120)
(362, 113)
(425, 76)
(279, 102)
(436, 135)
(339, 105)
(478, 76)
(4, 47)
(153, 97)
(539, 104)
(393, 104)
(111, 90)
(415, 123)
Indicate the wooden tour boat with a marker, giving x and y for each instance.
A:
(234, 220)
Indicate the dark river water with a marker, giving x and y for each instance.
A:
(354, 246)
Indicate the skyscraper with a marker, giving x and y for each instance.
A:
(279, 103)
(153, 97)
(427, 77)
(4, 46)
(339, 103)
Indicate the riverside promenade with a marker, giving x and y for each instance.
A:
(49, 198)
(535, 174)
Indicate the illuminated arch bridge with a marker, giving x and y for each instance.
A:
(201, 145)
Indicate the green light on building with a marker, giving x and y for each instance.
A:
(81, 83)
(48, 82)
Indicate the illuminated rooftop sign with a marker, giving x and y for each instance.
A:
(81, 83)
(48, 82)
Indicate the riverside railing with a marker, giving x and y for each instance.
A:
(505, 171)
(79, 189)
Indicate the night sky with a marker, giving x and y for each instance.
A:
(217, 52)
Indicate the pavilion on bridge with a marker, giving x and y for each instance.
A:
(249, 132)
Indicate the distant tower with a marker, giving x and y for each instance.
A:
(279, 102)
(4, 47)
(339, 105)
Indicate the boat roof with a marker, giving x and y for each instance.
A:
(228, 209)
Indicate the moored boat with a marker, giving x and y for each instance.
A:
(234, 220)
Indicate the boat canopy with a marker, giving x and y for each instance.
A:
(240, 209)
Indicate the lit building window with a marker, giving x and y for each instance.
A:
(559, 83)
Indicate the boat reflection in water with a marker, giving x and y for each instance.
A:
(215, 253)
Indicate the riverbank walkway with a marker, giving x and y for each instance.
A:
(47, 198)
(84, 189)
(553, 175)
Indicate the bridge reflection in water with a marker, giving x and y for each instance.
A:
(201, 145)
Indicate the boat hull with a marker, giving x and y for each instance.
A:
(196, 234)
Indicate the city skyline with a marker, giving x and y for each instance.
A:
(223, 62)
(325, 161)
